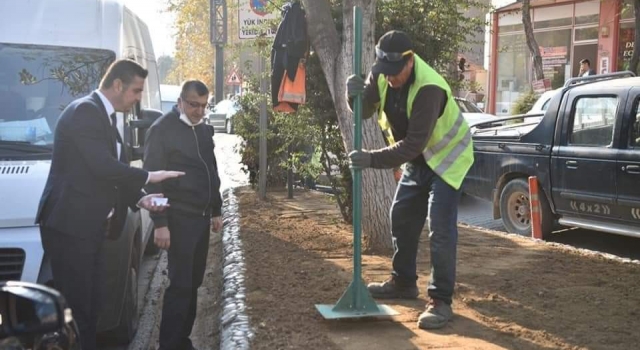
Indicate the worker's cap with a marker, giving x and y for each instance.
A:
(392, 52)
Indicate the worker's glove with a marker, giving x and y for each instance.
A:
(355, 85)
(359, 159)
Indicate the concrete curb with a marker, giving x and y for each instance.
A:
(150, 317)
(235, 331)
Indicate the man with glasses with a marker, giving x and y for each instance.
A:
(427, 133)
(180, 140)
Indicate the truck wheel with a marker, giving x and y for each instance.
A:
(515, 209)
(128, 325)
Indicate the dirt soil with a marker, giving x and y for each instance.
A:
(511, 293)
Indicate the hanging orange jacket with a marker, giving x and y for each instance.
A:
(294, 91)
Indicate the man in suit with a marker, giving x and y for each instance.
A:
(88, 183)
(585, 68)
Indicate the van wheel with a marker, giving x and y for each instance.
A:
(128, 325)
(515, 209)
(228, 125)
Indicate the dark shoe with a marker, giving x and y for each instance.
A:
(436, 316)
(391, 289)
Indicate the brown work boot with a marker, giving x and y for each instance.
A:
(391, 289)
(436, 316)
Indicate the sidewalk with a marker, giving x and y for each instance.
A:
(512, 292)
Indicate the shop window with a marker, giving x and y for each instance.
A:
(626, 10)
(514, 63)
(556, 16)
(625, 45)
(587, 12)
(593, 121)
(555, 48)
(584, 34)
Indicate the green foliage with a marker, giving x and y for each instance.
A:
(308, 141)
(524, 102)
(440, 29)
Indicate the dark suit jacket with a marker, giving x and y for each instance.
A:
(86, 179)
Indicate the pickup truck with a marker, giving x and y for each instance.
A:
(584, 151)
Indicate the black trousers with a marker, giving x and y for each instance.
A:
(77, 267)
(187, 262)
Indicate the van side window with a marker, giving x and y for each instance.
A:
(634, 127)
(593, 121)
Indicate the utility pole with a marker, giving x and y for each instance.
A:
(218, 36)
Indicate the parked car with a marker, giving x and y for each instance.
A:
(35, 317)
(169, 96)
(542, 103)
(471, 113)
(221, 117)
(585, 153)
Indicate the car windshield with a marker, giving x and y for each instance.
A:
(36, 84)
(468, 107)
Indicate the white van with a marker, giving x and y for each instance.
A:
(52, 52)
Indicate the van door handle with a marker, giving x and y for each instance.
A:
(632, 169)
(572, 164)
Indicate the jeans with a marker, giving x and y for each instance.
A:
(421, 194)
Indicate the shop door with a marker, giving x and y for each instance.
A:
(580, 52)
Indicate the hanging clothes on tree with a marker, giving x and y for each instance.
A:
(288, 53)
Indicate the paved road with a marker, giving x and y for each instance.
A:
(478, 212)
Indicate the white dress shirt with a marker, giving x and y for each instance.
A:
(110, 110)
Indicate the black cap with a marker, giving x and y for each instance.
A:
(397, 42)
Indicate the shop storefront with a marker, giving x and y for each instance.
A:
(566, 32)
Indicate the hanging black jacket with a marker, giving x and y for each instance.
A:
(289, 46)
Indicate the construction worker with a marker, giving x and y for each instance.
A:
(427, 133)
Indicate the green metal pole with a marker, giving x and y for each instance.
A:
(357, 145)
(356, 300)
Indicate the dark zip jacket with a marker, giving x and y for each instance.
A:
(175, 144)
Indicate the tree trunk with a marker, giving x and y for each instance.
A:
(633, 64)
(336, 59)
(531, 41)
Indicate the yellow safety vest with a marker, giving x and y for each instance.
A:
(449, 152)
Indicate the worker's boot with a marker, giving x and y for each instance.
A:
(392, 289)
(437, 314)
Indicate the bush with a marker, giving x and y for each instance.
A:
(307, 141)
(524, 102)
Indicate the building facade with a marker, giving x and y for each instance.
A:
(567, 31)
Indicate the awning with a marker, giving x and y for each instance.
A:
(534, 3)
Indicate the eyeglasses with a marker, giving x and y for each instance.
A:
(391, 56)
(196, 104)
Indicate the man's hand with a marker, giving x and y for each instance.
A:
(146, 202)
(162, 237)
(159, 176)
(355, 85)
(216, 224)
(360, 159)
